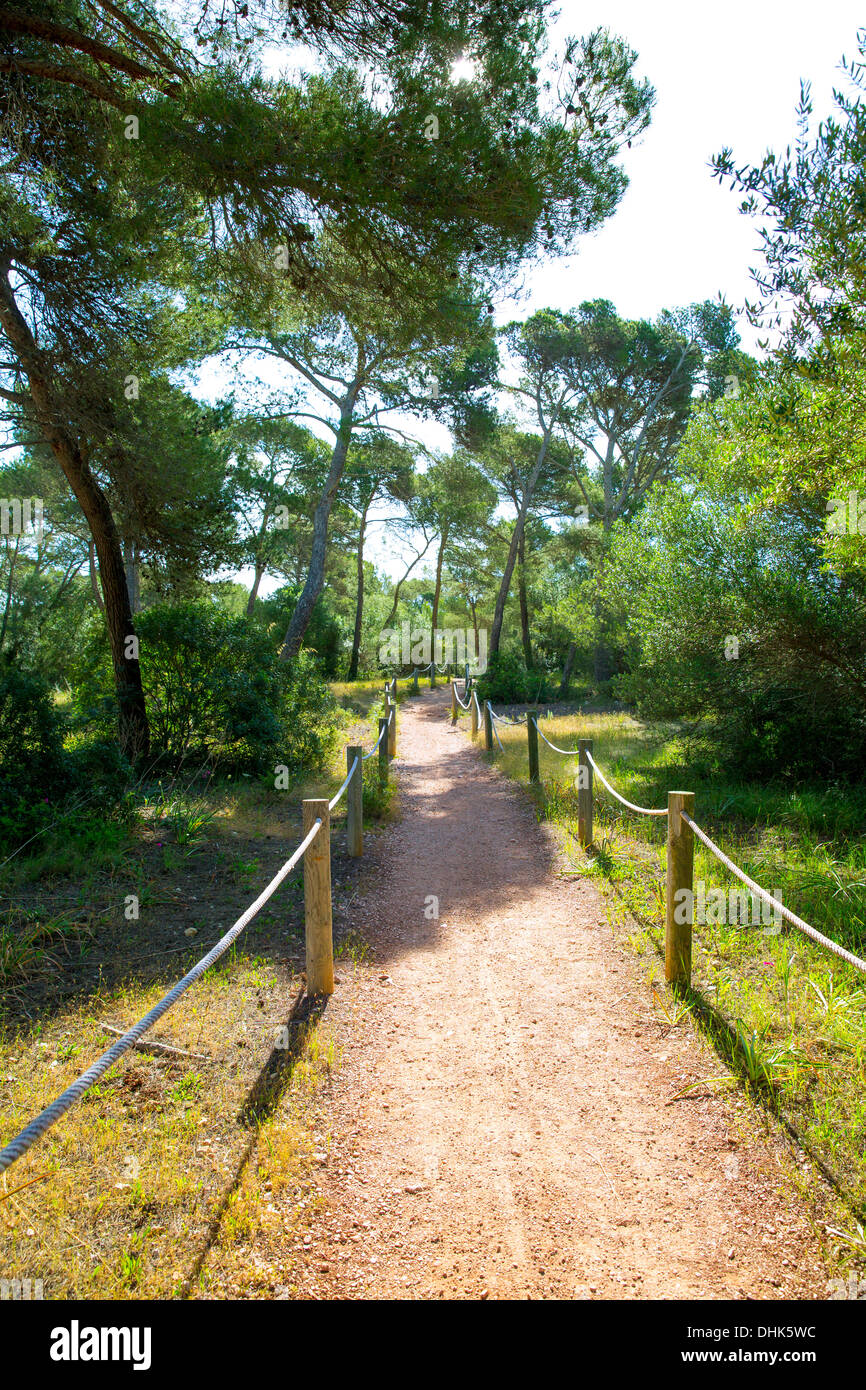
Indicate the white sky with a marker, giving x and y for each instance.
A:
(724, 74)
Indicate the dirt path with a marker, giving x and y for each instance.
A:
(499, 1126)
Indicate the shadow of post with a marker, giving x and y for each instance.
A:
(259, 1105)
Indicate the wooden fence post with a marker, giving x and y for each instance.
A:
(532, 738)
(680, 897)
(584, 792)
(488, 727)
(355, 803)
(453, 700)
(392, 729)
(383, 751)
(433, 675)
(473, 717)
(317, 900)
(414, 680)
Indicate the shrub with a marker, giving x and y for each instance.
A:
(507, 680)
(33, 771)
(324, 636)
(40, 778)
(216, 688)
(31, 730)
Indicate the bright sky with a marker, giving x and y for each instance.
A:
(724, 74)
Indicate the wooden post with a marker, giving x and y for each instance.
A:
(584, 792)
(432, 675)
(453, 700)
(392, 730)
(680, 898)
(473, 718)
(355, 803)
(488, 727)
(532, 738)
(414, 680)
(317, 900)
(466, 675)
(383, 751)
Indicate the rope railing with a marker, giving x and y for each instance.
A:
(338, 795)
(641, 810)
(53, 1112)
(766, 897)
(566, 752)
(317, 913)
(374, 749)
(679, 879)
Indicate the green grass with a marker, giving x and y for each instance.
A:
(788, 1017)
(366, 696)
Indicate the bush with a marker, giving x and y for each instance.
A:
(31, 731)
(216, 688)
(324, 636)
(40, 777)
(33, 771)
(507, 680)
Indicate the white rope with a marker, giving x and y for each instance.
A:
(566, 752)
(376, 744)
(463, 704)
(762, 893)
(52, 1113)
(496, 736)
(642, 810)
(351, 773)
(501, 719)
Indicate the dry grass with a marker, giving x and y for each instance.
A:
(147, 1185)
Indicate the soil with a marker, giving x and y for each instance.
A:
(504, 1121)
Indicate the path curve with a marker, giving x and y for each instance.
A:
(499, 1126)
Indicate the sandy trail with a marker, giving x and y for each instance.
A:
(499, 1126)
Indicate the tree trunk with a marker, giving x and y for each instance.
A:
(131, 567)
(134, 733)
(303, 612)
(519, 526)
(566, 671)
(359, 603)
(524, 607)
(254, 591)
(602, 663)
(94, 582)
(400, 582)
(437, 592)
